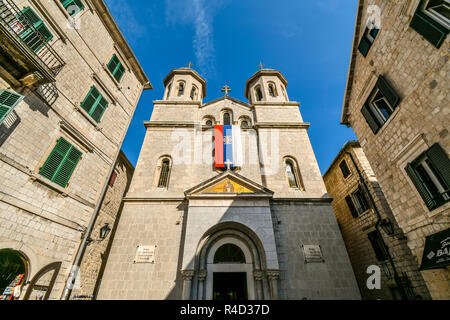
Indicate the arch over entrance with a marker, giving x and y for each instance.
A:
(13, 273)
(230, 264)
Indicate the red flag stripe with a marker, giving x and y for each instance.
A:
(218, 143)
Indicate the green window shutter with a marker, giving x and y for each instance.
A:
(351, 206)
(74, 6)
(420, 187)
(370, 118)
(8, 100)
(61, 163)
(116, 68)
(90, 100)
(99, 109)
(29, 35)
(94, 104)
(120, 72)
(431, 30)
(441, 163)
(364, 46)
(387, 91)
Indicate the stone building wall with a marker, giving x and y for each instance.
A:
(38, 218)
(418, 72)
(355, 230)
(97, 252)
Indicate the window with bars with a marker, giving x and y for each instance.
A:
(8, 101)
(116, 68)
(95, 104)
(36, 36)
(432, 20)
(380, 105)
(61, 163)
(164, 175)
(73, 7)
(430, 173)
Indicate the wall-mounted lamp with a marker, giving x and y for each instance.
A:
(387, 227)
(104, 231)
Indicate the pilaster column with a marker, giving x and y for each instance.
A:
(201, 284)
(258, 276)
(273, 276)
(187, 283)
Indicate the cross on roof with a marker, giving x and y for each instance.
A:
(261, 66)
(226, 89)
(190, 64)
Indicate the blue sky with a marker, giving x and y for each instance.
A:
(308, 41)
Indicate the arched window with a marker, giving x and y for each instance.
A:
(258, 92)
(181, 89)
(272, 90)
(291, 174)
(168, 91)
(164, 176)
(193, 93)
(229, 253)
(226, 119)
(13, 271)
(42, 284)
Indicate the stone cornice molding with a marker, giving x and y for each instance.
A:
(302, 200)
(283, 125)
(276, 104)
(171, 124)
(173, 102)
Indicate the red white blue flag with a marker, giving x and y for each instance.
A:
(228, 146)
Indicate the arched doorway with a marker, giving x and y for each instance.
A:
(13, 273)
(42, 284)
(229, 286)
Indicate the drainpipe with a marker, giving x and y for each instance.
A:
(85, 242)
(377, 225)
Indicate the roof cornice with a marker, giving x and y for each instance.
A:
(117, 35)
(352, 143)
(351, 69)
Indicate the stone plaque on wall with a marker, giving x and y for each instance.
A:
(145, 254)
(313, 254)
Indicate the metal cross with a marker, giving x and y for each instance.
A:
(228, 140)
(190, 64)
(226, 89)
(261, 66)
(228, 164)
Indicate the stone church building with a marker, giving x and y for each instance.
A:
(264, 230)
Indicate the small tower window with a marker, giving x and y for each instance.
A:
(226, 119)
(259, 95)
(168, 91)
(181, 89)
(164, 177)
(244, 124)
(193, 93)
(272, 91)
(290, 172)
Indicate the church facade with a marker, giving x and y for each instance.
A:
(260, 229)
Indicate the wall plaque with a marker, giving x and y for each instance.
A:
(313, 254)
(145, 254)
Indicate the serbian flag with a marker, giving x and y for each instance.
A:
(228, 146)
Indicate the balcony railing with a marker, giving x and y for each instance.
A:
(19, 26)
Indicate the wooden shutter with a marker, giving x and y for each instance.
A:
(61, 163)
(90, 99)
(112, 65)
(431, 30)
(99, 109)
(68, 3)
(36, 38)
(351, 206)
(420, 187)
(378, 246)
(441, 163)
(388, 92)
(370, 118)
(8, 100)
(364, 45)
(120, 72)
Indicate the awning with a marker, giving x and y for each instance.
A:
(437, 251)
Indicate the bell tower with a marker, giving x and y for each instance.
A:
(184, 85)
(266, 86)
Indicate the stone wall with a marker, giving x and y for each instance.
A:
(355, 230)
(40, 219)
(418, 72)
